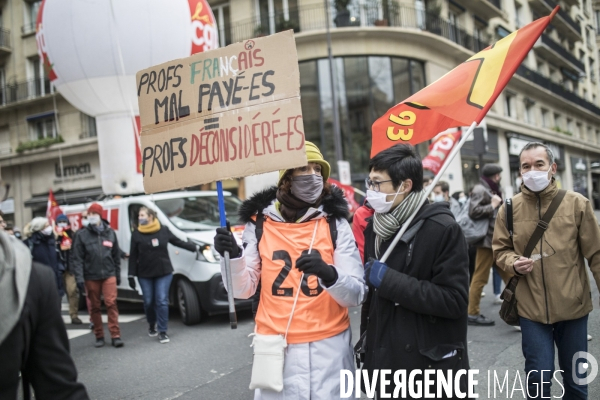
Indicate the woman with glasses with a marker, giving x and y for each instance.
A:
(303, 212)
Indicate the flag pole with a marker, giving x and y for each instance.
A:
(228, 280)
(429, 189)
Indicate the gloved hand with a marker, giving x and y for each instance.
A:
(224, 241)
(131, 280)
(118, 279)
(313, 264)
(374, 272)
(81, 288)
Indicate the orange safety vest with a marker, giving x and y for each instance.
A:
(317, 316)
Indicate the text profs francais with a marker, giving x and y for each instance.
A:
(235, 143)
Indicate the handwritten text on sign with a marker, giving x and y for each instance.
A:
(226, 113)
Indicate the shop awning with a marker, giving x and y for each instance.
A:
(66, 197)
(33, 117)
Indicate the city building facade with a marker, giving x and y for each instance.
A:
(382, 51)
(385, 50)
(45, 142)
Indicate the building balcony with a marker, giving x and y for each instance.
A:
(561, 21)
(557, 54)
(5, 47)
(383, 15)
(485, 9)
(22, 91)
(28, 29)
(556, 89)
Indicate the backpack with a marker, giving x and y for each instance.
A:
(474, 230)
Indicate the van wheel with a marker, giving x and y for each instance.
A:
(187, 300)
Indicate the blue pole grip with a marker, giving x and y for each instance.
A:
(221, 197)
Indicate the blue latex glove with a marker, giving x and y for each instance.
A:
(374, 272)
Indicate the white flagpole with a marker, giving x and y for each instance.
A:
(451, 156)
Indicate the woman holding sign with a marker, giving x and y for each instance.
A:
(149, 261)
(299, 247)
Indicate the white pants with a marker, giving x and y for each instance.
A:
(311, 371)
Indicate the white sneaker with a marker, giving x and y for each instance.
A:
(589, 337)
(498, 300)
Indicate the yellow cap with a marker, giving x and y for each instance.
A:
(313, 154)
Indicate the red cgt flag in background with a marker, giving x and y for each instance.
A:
(348, 193)
(53, 210)
(440, 149)
(462, 96)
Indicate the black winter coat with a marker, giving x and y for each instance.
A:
(419, 313)
(65, 255)
(149, 254)
(43, 250)
(38, 346)
(96, 255)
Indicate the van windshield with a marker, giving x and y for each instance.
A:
(198, 213)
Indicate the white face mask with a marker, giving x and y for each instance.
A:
(377, 200)
(85, 222)
(536, 181)
(47, 230)
(94, 219)
(438, 198)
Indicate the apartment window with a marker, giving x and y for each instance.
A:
(30, 16)
(590, 135)
(276, 15)
(519, 18)
(88, 126)
(36, 85)
(508, 105)
(545, 118)
(597, 136)
(578, 130)
(221, 12)
(42, 128)
(597, 12)
(529, 117)
(592, 70)
(5, 140)
(558, 123)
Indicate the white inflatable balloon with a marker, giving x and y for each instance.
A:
(93, 49)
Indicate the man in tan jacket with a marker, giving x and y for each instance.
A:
(553, 295)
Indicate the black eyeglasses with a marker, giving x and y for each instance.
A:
(374, 184)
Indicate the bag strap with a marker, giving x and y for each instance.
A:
(542, 224)
(508, 210)
(333, 231)
(312, 241)
(260, 220)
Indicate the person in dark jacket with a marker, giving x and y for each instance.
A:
(149, 261)
(415, 316)
(33, 340)
(96, 261)
(43, 249)
(486, 198)
(64, 241)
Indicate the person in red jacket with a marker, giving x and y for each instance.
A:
(359, 224)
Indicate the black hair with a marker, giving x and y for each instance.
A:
(456, 195)
(401, 162)
(444, 186)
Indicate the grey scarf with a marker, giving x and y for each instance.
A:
(15, 268)
(387, 224)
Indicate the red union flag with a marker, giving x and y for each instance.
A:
(53, 210)
(462, 96)
(440, 149)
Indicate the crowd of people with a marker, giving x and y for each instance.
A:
(305, 265)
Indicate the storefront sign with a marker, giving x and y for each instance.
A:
(227, 113)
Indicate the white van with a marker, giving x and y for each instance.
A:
(197, 287)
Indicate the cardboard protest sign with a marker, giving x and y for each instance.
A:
(227, 113)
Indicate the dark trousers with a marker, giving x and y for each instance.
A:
(538, 342)
(156, 300)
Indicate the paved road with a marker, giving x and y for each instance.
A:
(211, 361)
